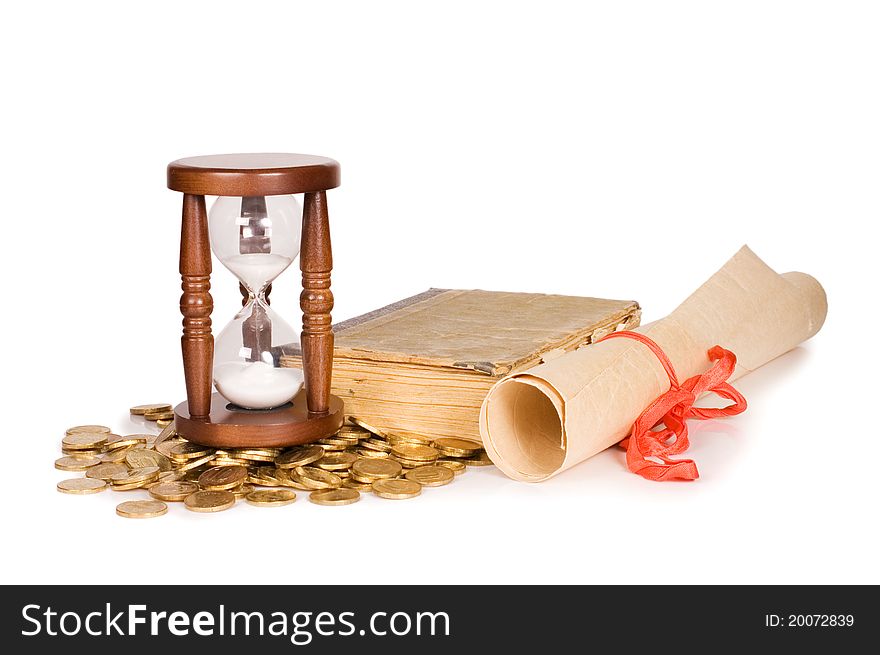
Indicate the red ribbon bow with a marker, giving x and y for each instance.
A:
(672, 409)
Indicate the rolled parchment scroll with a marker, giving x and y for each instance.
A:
(543, 421)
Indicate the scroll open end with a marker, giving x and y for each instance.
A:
(541, 422)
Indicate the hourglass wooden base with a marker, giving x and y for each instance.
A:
(231, 427)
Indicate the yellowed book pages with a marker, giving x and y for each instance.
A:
(425, 364)
(538, 423)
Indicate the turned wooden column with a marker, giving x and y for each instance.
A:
(316, 301)
(196, 305)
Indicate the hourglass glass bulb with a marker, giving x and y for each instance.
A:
(256, 238)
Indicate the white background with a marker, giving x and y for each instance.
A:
(623, 150)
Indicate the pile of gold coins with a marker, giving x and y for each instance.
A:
(358, 458)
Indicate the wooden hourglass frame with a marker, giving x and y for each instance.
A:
(208, 418)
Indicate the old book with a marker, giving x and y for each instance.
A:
(426, 363)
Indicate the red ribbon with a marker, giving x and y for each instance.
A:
(672, 409)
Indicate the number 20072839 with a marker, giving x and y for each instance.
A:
(809, 620)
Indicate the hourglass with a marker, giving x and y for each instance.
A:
(256, 229)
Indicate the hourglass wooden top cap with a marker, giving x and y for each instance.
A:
(253, 174)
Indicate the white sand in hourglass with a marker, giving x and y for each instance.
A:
(257, 385)
(257, 269)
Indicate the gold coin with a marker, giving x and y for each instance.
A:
(88, 429)
(192, 475)
(299, 457)
(351, 438)
(396, 489)
(336, 461)
(166, 476)
(106, 471)
(122, 443)
(188, 450)
(140, 457)
(229, 461)
(374, 454)
(341, 442)
(135, 484)
(209, 501)
(113, 456)
(242, 490)
(480, 459)
(367, 426)
(367, 470)
(353, 431)
(164, 422)
(266, 480)
(348, 425)
(251, 457)
(84, 440)
(173, 491)
(270, 474)
(271, 497)
(165, 434)
(195, 463)
(266, 452)
(415, 452)
(81, 486)
(141, 484)
(139, 438)
(314, 478)
(457, 447)
(351, 483)
(335, 496)
(166, 415)
(140, 410)
(166, 446)
(328, 448)
(144, 474)
(430, 476)
(74, 463)
(82, 452)
(141, 509)
(453, 465)
(404, 436)
(283, 477)
(409, 463)
(376, 444)
(222, 478)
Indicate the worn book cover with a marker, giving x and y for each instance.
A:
(424, 364)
